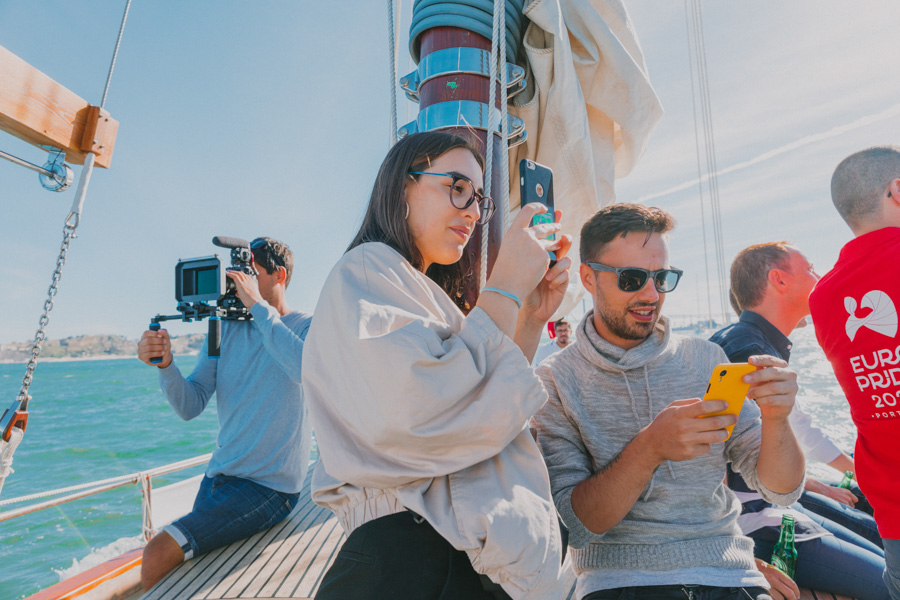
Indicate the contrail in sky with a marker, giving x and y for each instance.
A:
(804, 141)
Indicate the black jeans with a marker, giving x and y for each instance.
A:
(402, 556)
(680, 592)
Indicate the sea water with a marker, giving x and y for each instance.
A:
(93, 420)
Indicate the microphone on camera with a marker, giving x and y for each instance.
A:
(230, 242)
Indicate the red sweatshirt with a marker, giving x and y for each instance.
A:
(854, 308)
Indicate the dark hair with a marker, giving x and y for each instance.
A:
(618, 220)
(270, 254)
(385, 218)
(563, 321)
(750, 272)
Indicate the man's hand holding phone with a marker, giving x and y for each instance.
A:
(677, 433)
(774, 387)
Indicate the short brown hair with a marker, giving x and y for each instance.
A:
(750, 272)
(618, 220)
(563, 321)
(270, 254)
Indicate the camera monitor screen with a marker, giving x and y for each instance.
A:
(199, 279)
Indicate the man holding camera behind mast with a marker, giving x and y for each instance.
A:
(254, 477)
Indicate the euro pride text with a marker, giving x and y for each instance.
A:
(877, 373)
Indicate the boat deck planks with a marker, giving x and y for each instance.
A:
(286, 561)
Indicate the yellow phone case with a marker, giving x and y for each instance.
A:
(725, 384)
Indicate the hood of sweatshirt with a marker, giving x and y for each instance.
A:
(611, 358)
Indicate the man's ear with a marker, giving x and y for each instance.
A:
(893, 191)
(282, 274)
(777, 279)
(587, 278)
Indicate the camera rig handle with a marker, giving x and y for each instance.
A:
(198, 312)
(154, 326)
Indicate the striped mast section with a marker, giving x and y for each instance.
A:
(451, 79)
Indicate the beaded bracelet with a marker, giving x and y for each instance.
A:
(503, 293)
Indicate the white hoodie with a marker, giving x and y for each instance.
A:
(416, 406)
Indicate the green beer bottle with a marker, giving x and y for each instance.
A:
(847, 480)
(784, 556)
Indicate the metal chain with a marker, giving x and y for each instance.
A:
(71, 224)
(68, 234)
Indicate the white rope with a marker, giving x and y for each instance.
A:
(496, 41)
(392, 52)
(146, 513)
(500, 16)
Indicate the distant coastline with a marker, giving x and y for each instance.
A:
(92, 347)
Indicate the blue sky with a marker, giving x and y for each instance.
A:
(271, 118)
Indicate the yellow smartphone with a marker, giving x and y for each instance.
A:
(725, 384)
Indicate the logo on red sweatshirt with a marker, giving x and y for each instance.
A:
(882, 319)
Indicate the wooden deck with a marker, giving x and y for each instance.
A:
(287, 561)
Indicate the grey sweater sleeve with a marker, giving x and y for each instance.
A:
(742, 449)
(567, 459)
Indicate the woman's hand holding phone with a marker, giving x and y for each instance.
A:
(523, 260)
(545, 298)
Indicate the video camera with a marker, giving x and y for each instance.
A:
(203, 290)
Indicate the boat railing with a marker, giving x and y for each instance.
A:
(144, 478)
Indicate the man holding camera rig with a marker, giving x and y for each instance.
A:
(254, 477)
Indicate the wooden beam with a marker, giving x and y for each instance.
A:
(40, 111)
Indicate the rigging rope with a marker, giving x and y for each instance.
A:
(71, 225)
(497, 72)
(693, 15)
(699, 170)
(392, 52)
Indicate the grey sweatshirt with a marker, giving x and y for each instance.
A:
(683, 528)
(264, 431)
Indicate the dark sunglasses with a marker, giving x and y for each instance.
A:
(463, 194)
(632, 279)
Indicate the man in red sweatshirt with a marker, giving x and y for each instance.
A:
(854, 309)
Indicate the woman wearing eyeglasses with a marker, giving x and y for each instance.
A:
(420, 411)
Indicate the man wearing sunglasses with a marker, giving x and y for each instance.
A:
(254, 477)
(636, 473)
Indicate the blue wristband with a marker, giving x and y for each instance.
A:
(512, 297)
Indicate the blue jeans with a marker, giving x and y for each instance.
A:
(892, 570)
(228, 509)
(843, 563)
(853, 519)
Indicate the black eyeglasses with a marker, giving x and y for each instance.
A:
(463, 194)
(632, 279)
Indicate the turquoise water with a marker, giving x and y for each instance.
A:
(93, 420)
(89, 420)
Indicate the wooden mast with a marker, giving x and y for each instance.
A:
(466, 86)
